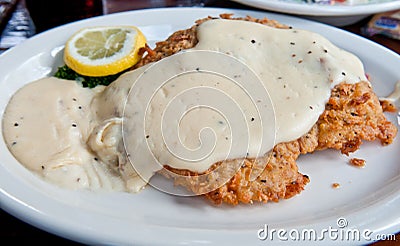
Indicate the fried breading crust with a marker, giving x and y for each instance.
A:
(353, 114)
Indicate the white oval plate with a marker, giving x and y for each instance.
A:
(368, 198)
(337, 15)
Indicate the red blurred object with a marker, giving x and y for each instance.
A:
(47, 14)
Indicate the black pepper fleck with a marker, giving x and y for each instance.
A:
(16, 124)
(292, 43)
(343, 73)
(42, 167)
(96, 159)
(74, 125)
(147, 136)
(252, 118)
(263, 181)
(80, 107)
(253, 41)
(311, 107)
(326, 51)
(197, 69)
(14, 143)
(74, 99)
(309, 52)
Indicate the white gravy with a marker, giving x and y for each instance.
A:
(72, 135)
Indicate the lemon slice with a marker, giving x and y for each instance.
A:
(105, 50)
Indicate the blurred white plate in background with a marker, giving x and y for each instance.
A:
(368, 198)
(336, 14)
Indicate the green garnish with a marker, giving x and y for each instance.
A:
(64, 72)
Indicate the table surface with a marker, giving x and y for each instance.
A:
(18, 231)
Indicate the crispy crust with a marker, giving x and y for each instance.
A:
(353, 114)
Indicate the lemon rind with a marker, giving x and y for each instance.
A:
(125, 59)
